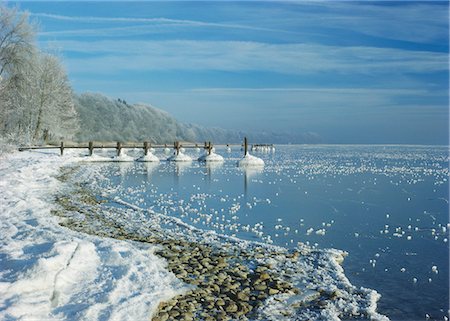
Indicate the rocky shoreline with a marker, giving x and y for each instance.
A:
(225, 280)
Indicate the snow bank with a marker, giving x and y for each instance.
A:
(213, 157)
(148, 158)
(48, 272)
(180, 158)
(250, 160)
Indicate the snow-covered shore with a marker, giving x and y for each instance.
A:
(49, 272)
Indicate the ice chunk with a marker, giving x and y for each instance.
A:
(213, 157)
(180, 158)
(249, 160)
(122, 158)
(148, 158)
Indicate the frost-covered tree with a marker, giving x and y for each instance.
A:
(16, 52)
(16, 41)
(53, 106)
(36, 100)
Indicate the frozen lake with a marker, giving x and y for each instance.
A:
(387, 206)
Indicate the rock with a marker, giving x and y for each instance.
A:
(163, 317)
(260, 287)
(261, 268)
(243, 296)
(220, 302)
(322, 303)
(221, 262)
(273, 291)
(215, 288)
(174, 313)
(233, 286)
(232, 307)
(264, 276)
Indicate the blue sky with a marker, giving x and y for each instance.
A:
(351, 72)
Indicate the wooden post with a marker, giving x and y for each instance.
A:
(62, 148)
(209, 148)
(177, 146)
(91, 148)
(119, 148)
(146, 148)
(245, 146)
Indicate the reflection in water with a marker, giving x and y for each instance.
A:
(212, 166)
(249, 172)
(125, 167)
(149, 168)
(180, 168)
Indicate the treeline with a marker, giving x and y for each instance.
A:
(106, 119)
(36, 99)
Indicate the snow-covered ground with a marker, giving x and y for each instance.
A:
(48, 272)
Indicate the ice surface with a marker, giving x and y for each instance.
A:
(49, 272)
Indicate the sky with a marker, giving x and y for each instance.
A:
(349, 72)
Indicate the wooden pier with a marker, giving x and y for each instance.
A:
(145, 146)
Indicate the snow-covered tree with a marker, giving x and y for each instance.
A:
(55, 115)
(36, 100)
(16, 52)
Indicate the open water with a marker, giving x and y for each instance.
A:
(387, 206)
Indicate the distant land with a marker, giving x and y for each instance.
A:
(105, 119)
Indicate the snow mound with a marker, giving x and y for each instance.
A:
(122, 158)
(213, 157)
(249, 160)
(180, 158)
(148, 158)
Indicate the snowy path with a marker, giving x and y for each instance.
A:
(48, 272)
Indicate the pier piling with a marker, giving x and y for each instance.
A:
(119, 148)
(91, 148)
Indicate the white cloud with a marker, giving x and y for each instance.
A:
(414, 21)
(114, 56)
(161, 21)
